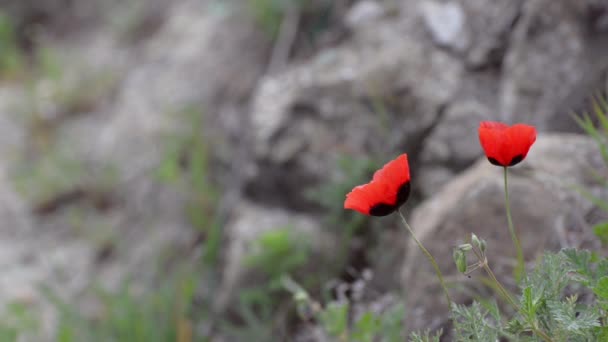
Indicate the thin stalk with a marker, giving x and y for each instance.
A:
(504, 291)
(430, 257)
(519, 268)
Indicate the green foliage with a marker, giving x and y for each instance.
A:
(474, 323)
(392, 324)
(601, 288)
(17, 321)
(599, 133)
(11, 57)
(569, 320)
(58, 89)
(186, 166)
(57, 172)
(316, 17)
(426, 336)
(257, 311)
(551, 275)
(335, 319)
(160, 315)
(278, 252)
(51, 174)
(601, 231)
(269, 13)
(549, 306)
(164, 313)
(367, 327)
(386, 326)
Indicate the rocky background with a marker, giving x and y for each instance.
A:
(149, 143)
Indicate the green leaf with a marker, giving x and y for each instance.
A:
(602, 268)
(587, 125)
(335, 318)
(279, 251)
(601, 231)
(169, 170)
(550, 276)
(601, 288)
(571, 319)
(515, 326)
(581, 262)
(602, 334)
(529, 303)
(392, 323)
(366, 327)
(473, 324)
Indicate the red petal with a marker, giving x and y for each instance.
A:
(521, 138)
(364, 197)
(396, 171)
(492, 139)
(358, 200)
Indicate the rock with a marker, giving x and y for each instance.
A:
(36, 19)
(475, 31)
(546, 212)
(452, 145)
(446, 22)
(489, 29)
(549, 66)
(377, 94)
(597, 12)
(363, 13)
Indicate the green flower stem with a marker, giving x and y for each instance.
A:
(505, 293)
(519, 268)
(430, 257)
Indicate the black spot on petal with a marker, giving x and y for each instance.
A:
(494, 162)
(516, 160)
(403, 194)
(382, 209)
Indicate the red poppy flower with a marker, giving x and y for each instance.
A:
(387, 191)
(506, 145)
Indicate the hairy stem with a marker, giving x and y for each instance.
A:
(519, 268)
(430, 257)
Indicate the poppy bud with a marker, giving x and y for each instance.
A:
(479, 243)
(465, 247)
(475, 240)
(482, 246)
(460, 259)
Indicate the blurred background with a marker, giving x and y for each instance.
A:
(175, 170)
